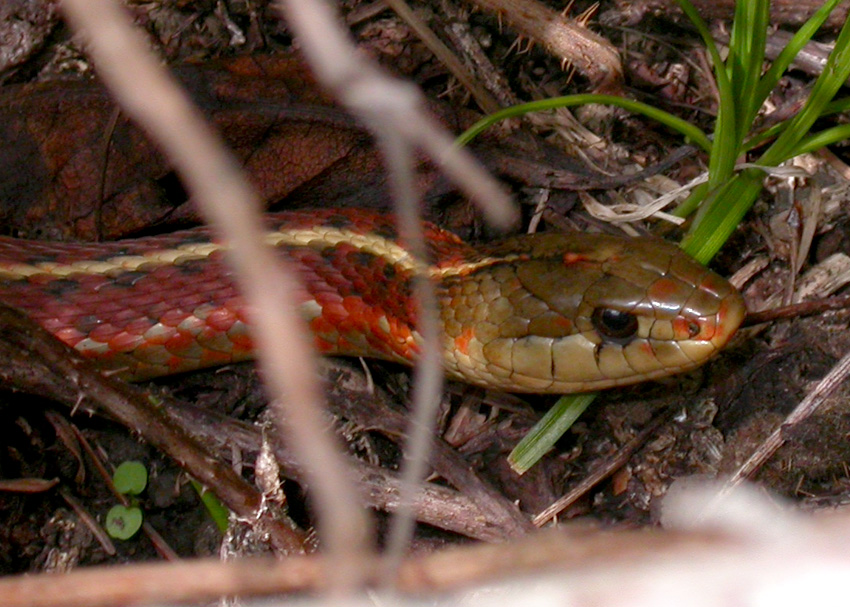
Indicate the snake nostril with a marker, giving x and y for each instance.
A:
(615, 324)
(693, 329)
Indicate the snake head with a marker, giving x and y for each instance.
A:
(555, 313)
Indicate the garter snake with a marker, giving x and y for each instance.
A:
(547, 313)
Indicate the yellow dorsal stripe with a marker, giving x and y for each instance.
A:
(319, 237)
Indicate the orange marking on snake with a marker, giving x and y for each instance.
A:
(172, 317)
(574, 258)
(682, 328)
(462, 341)
(243, 345)
(321, 325)
(333, 312)
(70, 336)
(724, 330)
(324, 346)
(179, 342)
(212, 358)
(125, 342)
(706, 329)
(162, 335)
(564, 323)
(221, 319)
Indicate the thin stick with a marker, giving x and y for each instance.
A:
(428, 376)
(485, 100)
(603, 471)
(397, 113)
(800, 310)
(152, 97)
(807, 406)
(201, 580)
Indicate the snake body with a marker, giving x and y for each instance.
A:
(548, 313)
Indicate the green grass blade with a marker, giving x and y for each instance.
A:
(834, 75)
(835, 106)
(740, 41)
(763, 136)
(778, 67)
(707, 39)
(725, 209)
(792, 49)
(692, 202)
(688, 130)
(746, 54)
(548, 430)
(725, 148)
(824, 138)
(217, 511)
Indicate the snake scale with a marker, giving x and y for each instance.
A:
(547, 313)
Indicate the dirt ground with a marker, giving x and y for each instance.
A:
(704, 424)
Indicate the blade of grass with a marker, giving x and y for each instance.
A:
(724, 151)
(738, 47)
(765, 85)
(735, 111)
(548, 430)
(824, 138)
(691, 132)
(833, 77)
(771, 78)
(836, 106)
(726, 208)
(692, 202)
(707, 39)
(748, 46)
(792, 49)
(218, 513)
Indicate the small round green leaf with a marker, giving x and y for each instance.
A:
(130, 478)
(122, 523)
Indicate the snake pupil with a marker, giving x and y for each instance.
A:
(615, 324)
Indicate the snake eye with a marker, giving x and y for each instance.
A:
(614, 324)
